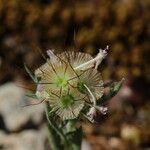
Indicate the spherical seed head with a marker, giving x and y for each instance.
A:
(68, 105)
(91, 78)
(56, 76)
(63, 86)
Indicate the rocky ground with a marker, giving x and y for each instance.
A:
(21, 128)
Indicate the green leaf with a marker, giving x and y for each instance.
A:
(113, 90)
(30, 73)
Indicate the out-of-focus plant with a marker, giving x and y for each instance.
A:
(73, 90)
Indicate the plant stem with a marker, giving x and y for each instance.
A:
(63, 139)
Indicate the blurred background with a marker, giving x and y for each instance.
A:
(30, 27)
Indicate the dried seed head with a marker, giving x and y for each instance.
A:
(66, 80)
(68, 105)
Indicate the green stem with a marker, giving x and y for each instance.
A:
(63, 139)
(54, 127)
(52, 139)
(56, 136)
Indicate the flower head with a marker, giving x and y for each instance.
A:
(69, 80)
